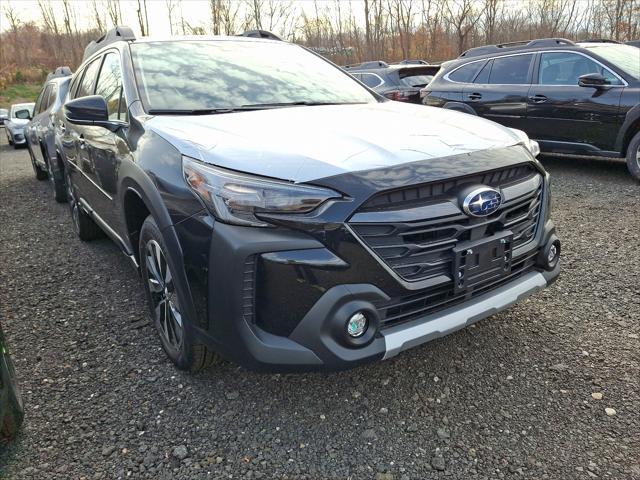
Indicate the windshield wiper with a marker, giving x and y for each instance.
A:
(295, 104)
(204, 111)
(242, 108)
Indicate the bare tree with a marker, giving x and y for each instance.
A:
(114, 11)
(100, 23)
(462, 17)
(143, 18)
(171, 5)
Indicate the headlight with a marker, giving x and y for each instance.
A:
(236, 198)
(530, 145)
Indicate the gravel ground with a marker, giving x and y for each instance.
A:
(522, 394)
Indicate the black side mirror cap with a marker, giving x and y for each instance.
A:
(594, 80)
(90, 110)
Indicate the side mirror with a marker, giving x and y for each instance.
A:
(594, 80)
(91, 110)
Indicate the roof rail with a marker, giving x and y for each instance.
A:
(412, 62)
(522, 45)
(116, 34)
(599, 40)
(370, 64)
(260, 34)
(59, 72)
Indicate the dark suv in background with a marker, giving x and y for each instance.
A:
(40, 131)
(396, 81)
(576, 99)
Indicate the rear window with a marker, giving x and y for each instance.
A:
(417, 77)
(466, 73)
(371, 80)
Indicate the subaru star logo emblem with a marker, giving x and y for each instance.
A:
(482, 202)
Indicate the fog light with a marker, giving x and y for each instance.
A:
(357, 325)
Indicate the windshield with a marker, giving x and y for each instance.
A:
(217, 74)
(625, 57)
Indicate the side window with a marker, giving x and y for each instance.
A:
(74, 85)
(52, 95)
(483, 76)
(564, 68)
(371, 80)
(41, 98)
(510, 70)
(110, 86)
(465, 73)
(88, 79)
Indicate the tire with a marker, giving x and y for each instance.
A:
(633, 156)
(39, 172)
(83, 225)
(164, 304)
(13, 408)
(57, 183)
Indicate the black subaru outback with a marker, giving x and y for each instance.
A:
(285, 216)
(575, 99)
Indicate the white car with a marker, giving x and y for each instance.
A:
(19, 115)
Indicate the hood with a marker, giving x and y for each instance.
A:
(303, 144)
(19, 122)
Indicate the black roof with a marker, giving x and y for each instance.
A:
(517, 46)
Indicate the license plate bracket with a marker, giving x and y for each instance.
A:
(483, 260)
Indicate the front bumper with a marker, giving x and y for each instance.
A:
(299, 274)
(18, 138)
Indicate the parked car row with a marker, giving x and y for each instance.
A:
(281, 214)
(575, 99)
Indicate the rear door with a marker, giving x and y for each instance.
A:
(567, 118)
(75, 141)
(31, 131)
(500, 89)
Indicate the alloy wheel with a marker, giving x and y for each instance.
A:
(638, 156)
(164, 300)
(73, 206)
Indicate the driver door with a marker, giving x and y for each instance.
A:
(567, 118)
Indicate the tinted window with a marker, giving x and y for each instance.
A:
(42, 98)
(371, 80)
(200, 74)
(416, 80)
(465, 73)
(564, 68)
(510, 70)
(86, 85)
(483, 76)
(52, 95)
(109, 85)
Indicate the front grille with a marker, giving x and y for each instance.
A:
(422, 250)
(419, 194)
(403, 309)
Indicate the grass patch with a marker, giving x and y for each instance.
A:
(19, 93)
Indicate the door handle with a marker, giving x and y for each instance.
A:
(475, 96)
(538, 98)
